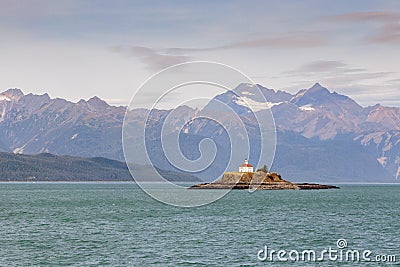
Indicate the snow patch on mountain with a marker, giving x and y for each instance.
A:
(4, 98)
(18, 150)
(382, 161)
(12, 94)
(308, 107)
(255, 105)
(247, 93)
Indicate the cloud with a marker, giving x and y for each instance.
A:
(351, 78)
(394, 81)
(387, 33)
(337, 74)
(287, 41)
(323, 67)
(387, 29)
(153, 59)
(37, 9)
(282, 41)
(380, 16)
(162, 58)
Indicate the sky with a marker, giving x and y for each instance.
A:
(78, 49)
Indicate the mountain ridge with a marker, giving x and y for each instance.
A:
(33, 124)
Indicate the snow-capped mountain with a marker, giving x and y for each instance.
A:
(34, 124)
(318, 113)
(322, 135)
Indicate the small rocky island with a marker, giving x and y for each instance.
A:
(245, 178)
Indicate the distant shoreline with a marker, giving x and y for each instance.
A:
(133, 182)
(87, 182)
(50, 182)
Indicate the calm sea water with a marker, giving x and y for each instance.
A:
(116, 224)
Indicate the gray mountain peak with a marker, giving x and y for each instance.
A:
(97, 103)
(12, 94)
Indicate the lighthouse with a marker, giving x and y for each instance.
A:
(246, 167)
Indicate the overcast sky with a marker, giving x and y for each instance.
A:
(78, 49)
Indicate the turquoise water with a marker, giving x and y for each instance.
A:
(116, 224)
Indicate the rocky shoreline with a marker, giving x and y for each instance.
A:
(258, 181)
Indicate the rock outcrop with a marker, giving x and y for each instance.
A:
(257, 181)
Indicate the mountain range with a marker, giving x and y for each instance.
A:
(322, 135)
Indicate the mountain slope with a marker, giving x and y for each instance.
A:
(49, 167)
(34, 124)
(301, 159)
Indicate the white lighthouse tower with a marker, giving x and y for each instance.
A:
(246, 167)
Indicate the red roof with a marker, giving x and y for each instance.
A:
(246, 165)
